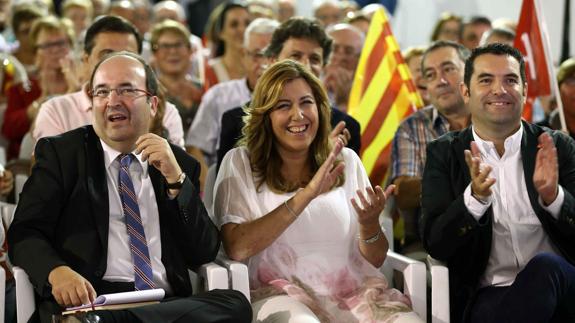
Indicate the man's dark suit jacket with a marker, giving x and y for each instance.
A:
(449, 231)
(63, 217)
(232, 124)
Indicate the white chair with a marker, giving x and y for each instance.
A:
(27, 146)
(25, 303)
(414, 275)
(439, 291)
(209, 276)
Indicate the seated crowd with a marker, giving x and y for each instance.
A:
(119, 110)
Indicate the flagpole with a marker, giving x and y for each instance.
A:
(550, 69)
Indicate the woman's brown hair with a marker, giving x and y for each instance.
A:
(258, 134)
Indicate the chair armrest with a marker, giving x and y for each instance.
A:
(414, 278)
(439, 291)
(25, 302)
(238, 274)
(213, 276)
(2, 293)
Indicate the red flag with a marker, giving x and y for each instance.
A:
(533, 42)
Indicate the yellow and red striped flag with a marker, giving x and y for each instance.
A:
(382, 95)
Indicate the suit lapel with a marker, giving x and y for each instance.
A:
(96, 179)
(461, 143)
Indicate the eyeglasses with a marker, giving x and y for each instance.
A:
(55, 44)
(123, 92)
(168, 46)
(256, 54)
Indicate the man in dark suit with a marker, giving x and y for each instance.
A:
(498, 202)
(305, 41)
(113, 208)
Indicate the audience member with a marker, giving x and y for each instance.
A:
(566, 81)
(339, 72)
(5, 15)
(358, 20)
(498, 203)
(347, 7)
(305, 41)
(443, 68)
(202, 138)
(413, 57)
(172, 50)
(66, 112)
(22, 20)
(327, 12)
(118, 235)
(143, 15)
(300, 210)
(448, 27)
(169, 9)
(473, 30)
(56, 74)
(80, 12)
(498, 35)
(262, 9)
(286, 10)
(101, 7)
(123, 8)
(229, 28)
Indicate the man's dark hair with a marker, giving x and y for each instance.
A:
(494, 49)
(110, 24)
(461, 50)
(151, 80)
(478, 20)
(299, 27)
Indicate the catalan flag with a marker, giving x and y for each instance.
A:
(382, 95)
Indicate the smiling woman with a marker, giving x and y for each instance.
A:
(299, 208)
(228, 36)
(172, 51)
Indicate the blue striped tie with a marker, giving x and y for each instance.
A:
(143, 278)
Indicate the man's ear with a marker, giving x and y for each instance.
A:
(524, 92)
(464, 91)
(154, 102)
(87, 91)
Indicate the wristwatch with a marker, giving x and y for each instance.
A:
(178, 184)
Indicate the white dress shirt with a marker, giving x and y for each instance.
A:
(120, 266)
(204, 133)
(517, 232)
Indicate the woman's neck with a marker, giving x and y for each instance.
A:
(295, 167)
(230, 59)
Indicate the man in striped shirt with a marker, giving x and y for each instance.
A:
(442, 68)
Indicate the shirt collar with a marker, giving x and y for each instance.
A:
(438, 120)
(111, 155)
(512, 143)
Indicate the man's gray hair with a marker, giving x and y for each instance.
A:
(345, 26)
(171, 5)
(260, 26)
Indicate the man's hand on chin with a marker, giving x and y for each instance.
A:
(69, 288)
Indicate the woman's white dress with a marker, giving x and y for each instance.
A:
(317, 259)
